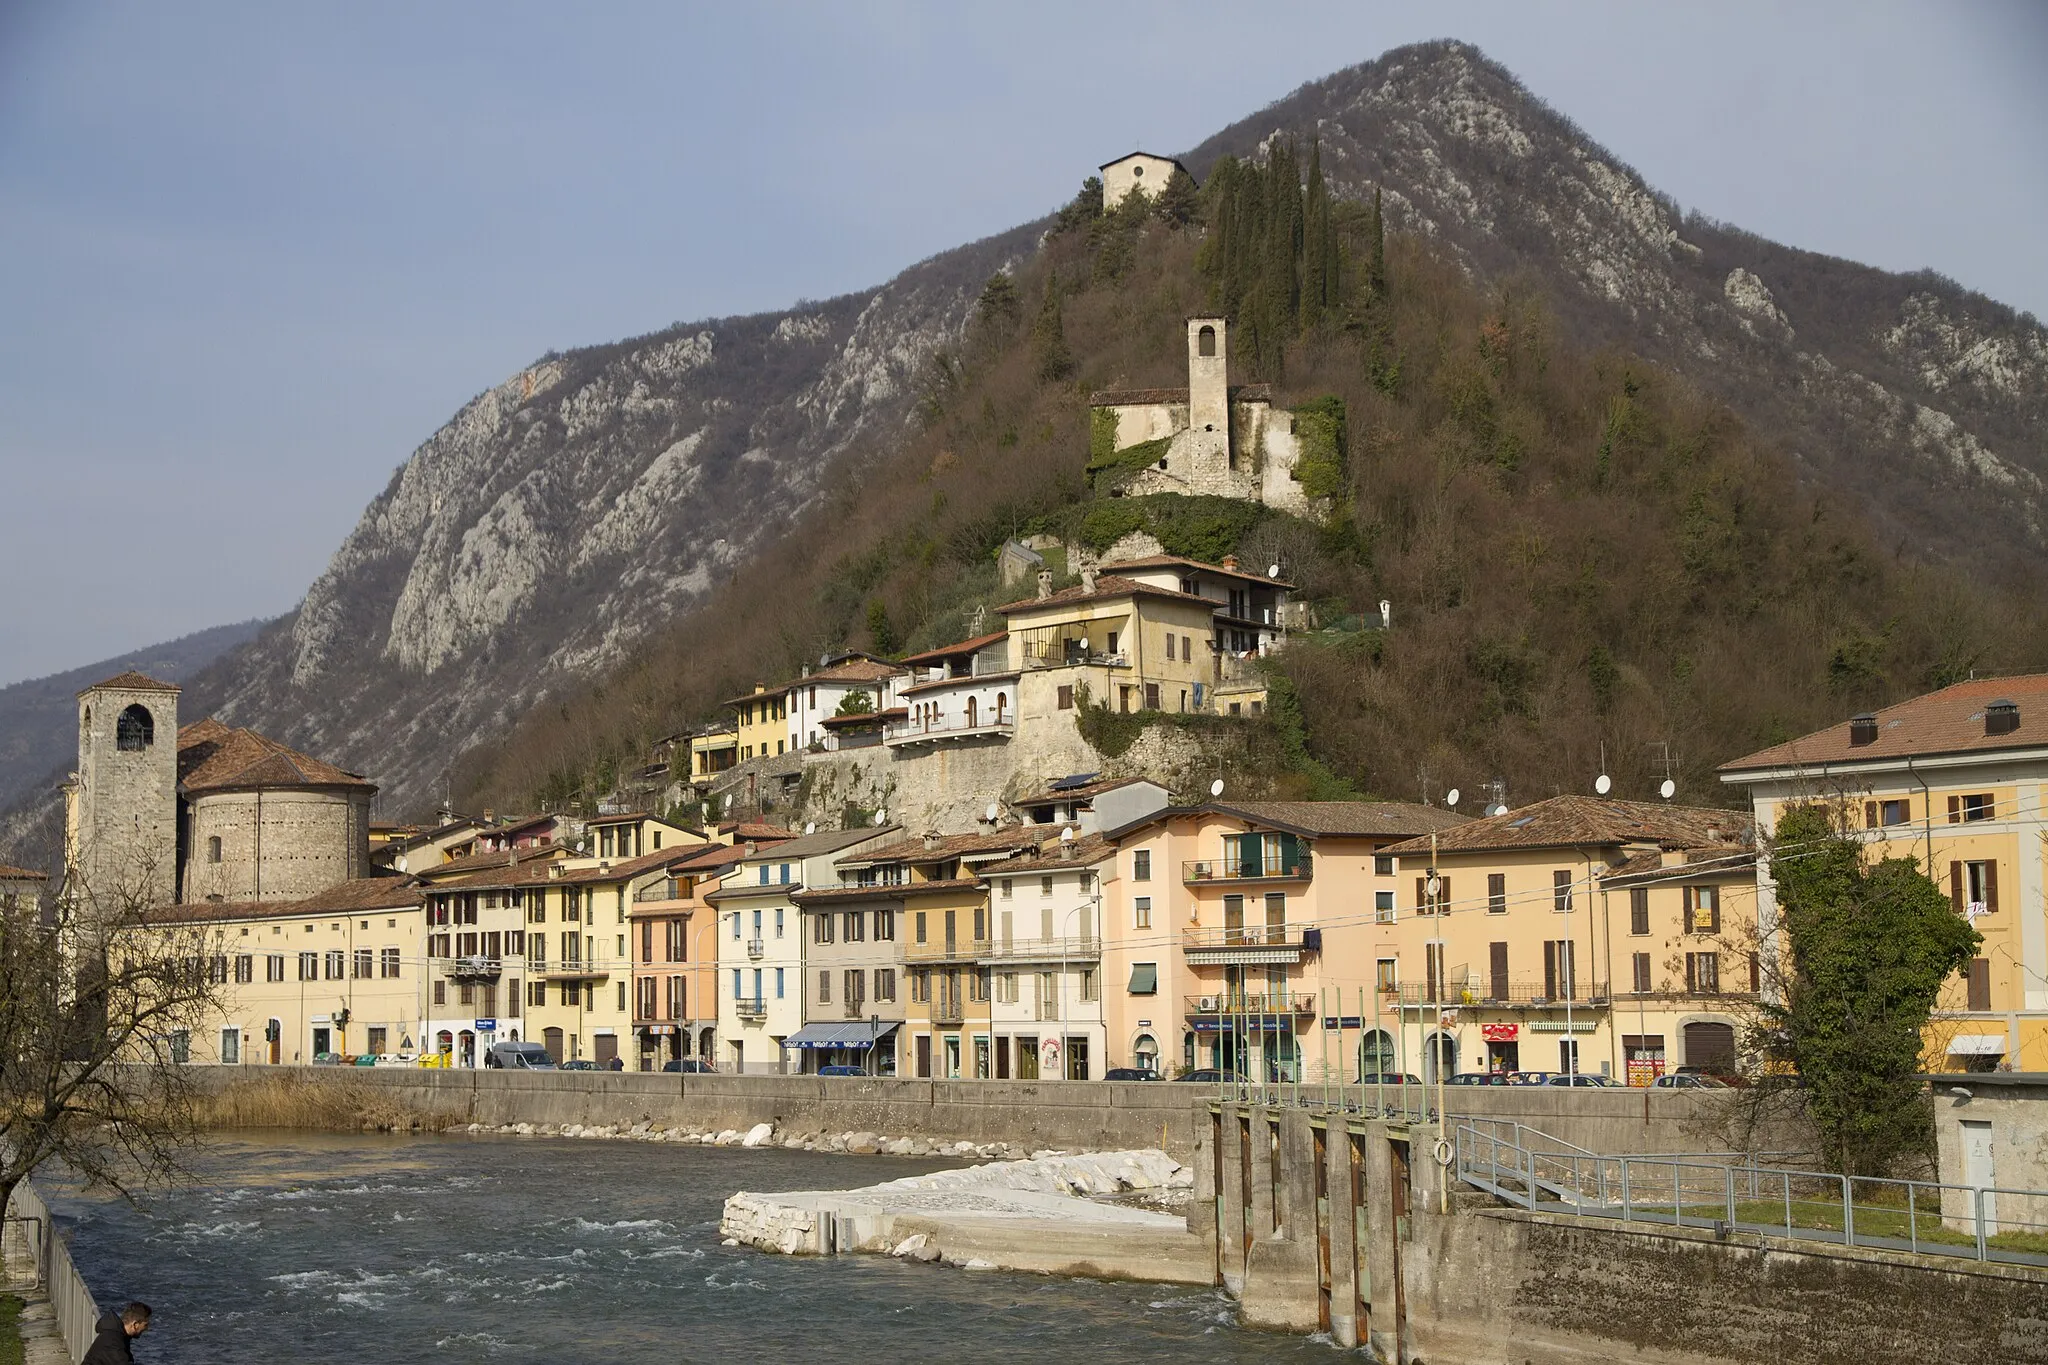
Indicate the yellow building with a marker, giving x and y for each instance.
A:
(337, 974)
(1578, 934)
(1127, 645)
(1957, 780)
(760, 721)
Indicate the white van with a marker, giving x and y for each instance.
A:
(519, 1057)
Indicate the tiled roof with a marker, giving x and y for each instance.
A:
(131, 681)
(533, 873)
(1360, 818)
(915, 850)
(953, 651)
(756, 830)
(484, 862)
(1051, 856)
(1590, 821)
(1154, 155)
(824, 841)
(1124, 398)
(1176, 562)
(1950, 721)
(835, 894)
(1716, 860)
(21, 874)
(856, 669)
(213, 757)
(1106, 587)
(1048, 795)
(347, 898)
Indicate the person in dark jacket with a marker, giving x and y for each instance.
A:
(116, 1331)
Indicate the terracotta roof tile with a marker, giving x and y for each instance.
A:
(1384, 819)
(1176, 562)
(1049, 795)
(1109, 586)
(915, 850)
(1051, 856)
(347, 898)
(1950, 721)
(1716, 860)
(1590, 821)
(213, 757)
(944, 652)
(471, 863)
(131, 681)
(21, 874)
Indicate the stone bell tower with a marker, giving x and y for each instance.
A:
(1208, 440)
(121, 807)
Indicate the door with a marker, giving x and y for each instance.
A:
(321, 1038)
(1002, 1058)
(551, 1039)
(276, 1035)
(1979, 1168)
(924, 1056)
(1710, 1047)
(607, 1049)
(1497, 971)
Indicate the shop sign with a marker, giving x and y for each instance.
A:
(1500, 1033)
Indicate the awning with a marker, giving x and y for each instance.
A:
(1144, 978)
(854, 1034)
(1977, 1045)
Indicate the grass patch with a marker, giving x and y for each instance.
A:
(1882, 1217)
(10, 1329)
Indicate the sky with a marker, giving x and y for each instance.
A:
(252, 255)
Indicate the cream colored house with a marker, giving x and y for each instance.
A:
(1137, 173)
(1956, 780)
(1043, 959)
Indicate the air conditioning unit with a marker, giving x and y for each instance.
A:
(1208, 1004)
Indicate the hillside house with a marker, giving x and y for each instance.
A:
(966, 690)
(1137, 173)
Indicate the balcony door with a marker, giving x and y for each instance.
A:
(1233, 919)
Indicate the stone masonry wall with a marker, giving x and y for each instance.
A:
(275, 845)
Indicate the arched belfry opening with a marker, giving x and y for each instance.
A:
(134, 729)
(1205, 341)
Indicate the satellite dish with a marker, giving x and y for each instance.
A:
(1272, 571)
(992, 812)
(1603, 784)
(579, 845)
(1435, 884)
(1216, 787)
(1668, 790)
(1451, 797)
(1497, 808)
(881, 815)
(810, 826)
(728, 800)
(1067, 835)
(401, 862)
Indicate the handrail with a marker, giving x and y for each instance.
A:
(71, 1300)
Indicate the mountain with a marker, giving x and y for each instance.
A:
(542, 538)
(39, 718)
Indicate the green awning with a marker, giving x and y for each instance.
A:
(1144, 978)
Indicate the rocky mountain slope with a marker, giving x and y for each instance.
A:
(558, 518)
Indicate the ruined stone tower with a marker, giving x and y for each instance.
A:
(1208, 447)
(121, 809)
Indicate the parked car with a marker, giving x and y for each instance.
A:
(1712, 1073)
(1212, 1076)
(1389, 1078)
(689, 1066)
(517, 1057)
(841, 1070)
(1689, 1080)
(580, 1064)
(1530, 1077)
(1129, 1073)
(1584, 1080)
(1478, 1078)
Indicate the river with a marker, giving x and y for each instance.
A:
(376, 1251)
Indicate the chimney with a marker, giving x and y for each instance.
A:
(2002, 717)
(807, 670)
(931, 839)
(760, 687)
(1089, 574)
(1044, 589)
(1230, 562)
(752, 848)
(490, 816)
(1863, 728)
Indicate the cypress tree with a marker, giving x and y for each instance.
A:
(998, 306)
(1179, 203)
(1049, 336)
(1376, 257)
(1319, 282)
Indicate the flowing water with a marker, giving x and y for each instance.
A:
(379, 1251)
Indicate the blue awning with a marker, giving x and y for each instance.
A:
(854, 1034)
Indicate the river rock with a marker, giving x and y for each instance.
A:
(862, 1144)
(758, 1135)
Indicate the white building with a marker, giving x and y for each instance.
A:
(1137, 173)
(1044, 962)
(960, 691)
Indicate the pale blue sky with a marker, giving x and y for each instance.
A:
(251, 255)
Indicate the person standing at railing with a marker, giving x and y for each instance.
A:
(116, 1332)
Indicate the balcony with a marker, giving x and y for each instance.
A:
(1242, 1004)
(1043, 950)
(750, 1007)
(472, 968)
(575, 969)
(947, 950)
(933, 730)
(953, 1011)
(1251, 945)
(667, 889)
(1520, 994)
(1235, 868)
(756, 949)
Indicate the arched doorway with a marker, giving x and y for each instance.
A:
(444, 1045)
(707, 1043)
(1145, 1053)
(1002, 701)
(973, 712)
(466, 1047)
(1376, 1053)
(551, 1039)
(1440, 1057)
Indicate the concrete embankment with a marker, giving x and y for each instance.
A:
(1044, 1214)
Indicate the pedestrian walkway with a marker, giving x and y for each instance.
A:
(41, 1342)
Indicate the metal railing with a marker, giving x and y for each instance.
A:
(1531, 994)
(750, 1007)
(72, 1303)
(1920, 1216)
(1242, 936)
(944, 1011)
(946, 950)
(1233, 867)
(756, 948)
(1283, 1002)
(1043, 949)
(938, 727)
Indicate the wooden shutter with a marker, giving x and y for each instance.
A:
(1497, 969)
(1955, 885)
(1550, 968)
(1422, 895)
(1870, 814)
(1955, 810)
(1685, 924)
(1980, 983)
(1443, 895)
(1714, 918)
(1990, 886)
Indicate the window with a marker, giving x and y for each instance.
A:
(1497, 987)
(465, 993)
(1387, 975)
(379, 1039)
(1969, 809)
(1703, 973)
(622, 998)
(1979, 988)
(1702, 909)
(1151, 696)
(1141, 865)
(1641, 963)
(856, 926)
(441, 993)
(1144, 978)
(309, 966)
(676, 944)
(1187, 653)
(1066, 697)
(824, 988)
(885, 926)
(362, 964)
(855, 988)
(778, 921)
(1560, 979)
(782, 873)
(1169, 646)
(1009, 885)
(1045, 886)
(643, 1002)
(821, 928)
(572, 994)
(757, 924)
(1878, 814)
(764, 874)
(736, 914)
(1383, 907)
(536, 992)
(334, 965)
(1205, 340)
(134, 730)
(213, 848)
(920, 987)
(1006, 988)
(273, 967)
(1091, 984)
(778, 983)
(1141, 913)
(1427, 903)
(1496, 893)
(245, 969)
(1973, 887)
(920, 926)
(1639, 910)
(647, 940)
(1561, 892)
(885, 983)
(231, 1046)
(1382, 864)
